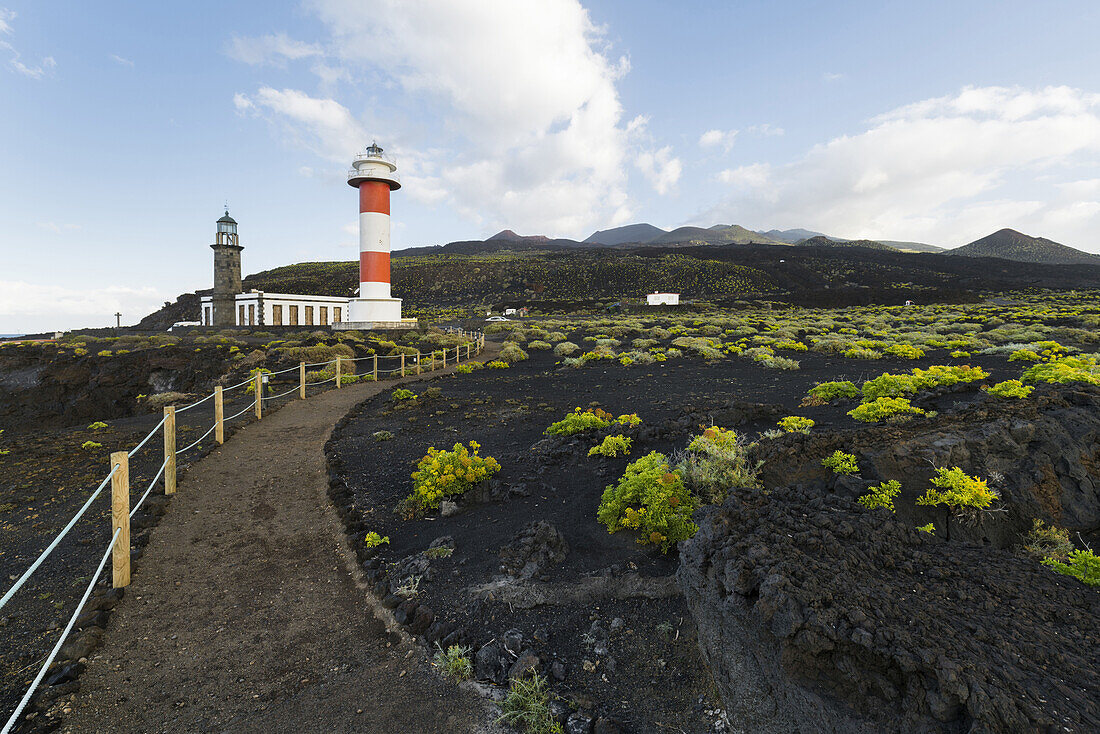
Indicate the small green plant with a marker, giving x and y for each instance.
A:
(98, 425)
(512, 352)
(440, 551)
(715, 461)
(961, 493)
(905, 351)
(91, 445)
(447, 474)
(588, 420)
(454, 662)
(496, 364)
(401, 394)
(382, 435)
(829, 391)
(930, 528)
(796, 424)
(884, 408)
(1082, 565)
(373, 539)
(527, 707)
(841, 463)
(464, 369)
(651, 499)
(1009, 389)
(612, 446)
(1064, 369)
(881, 496)
(1047, 541)
(252, 373)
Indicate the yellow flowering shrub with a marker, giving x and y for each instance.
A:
(651, 499)
(443, 474)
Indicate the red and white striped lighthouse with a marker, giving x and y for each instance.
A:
(375, 175)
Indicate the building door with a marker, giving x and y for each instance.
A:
(240, 315)
(251, 314)
(323, 321)
(207, 321)
(293, 315)
(309, 315)
(336, 313)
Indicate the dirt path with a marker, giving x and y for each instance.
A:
(248, 613)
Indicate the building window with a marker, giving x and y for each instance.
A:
(323, 321)
(293, 315)
(206, 320)
(309, 315)
(251, 314)
(276, 314)
(336, 313)
(240, 315)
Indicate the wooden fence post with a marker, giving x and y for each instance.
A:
(433, 361)
(120, 520)
(337, 370)
(402, 364)
(219, 415)
(444, 357)
(418, 362)
(170, 449)
(302, 380)
(376, 368)
(258, 388)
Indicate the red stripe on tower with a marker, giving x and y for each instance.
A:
(374, 196)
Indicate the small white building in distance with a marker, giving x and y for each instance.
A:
(280, 309)
(663, 299)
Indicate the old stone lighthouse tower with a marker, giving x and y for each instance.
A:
(227, 271)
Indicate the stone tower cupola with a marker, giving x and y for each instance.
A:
(227, 271)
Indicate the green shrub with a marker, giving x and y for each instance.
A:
(828, 391)
(538, 345)
(1047, 541)
(91, 445)
(373, 540)
(612, 446)
(1024, 355)
(401, 394)
(1009, 389)
(512, 353)
(588, 420)
(841, 463)
(1064, 369)
(382, 435)
(888, 385)
(1082, 565)
(98, 425)
(527, 707)
(454, 662)
(446, 474)
(715, 461)
(862, 353)
(796, 424)
(884, 408)
(881, 496)
(566, 349)
(930, 528)
(651, 499)
(464, 369)
(496, 364)
(905, 351)
(958, 491)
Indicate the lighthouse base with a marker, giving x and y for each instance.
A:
(374, 313)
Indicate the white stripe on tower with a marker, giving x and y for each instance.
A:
(374, 239)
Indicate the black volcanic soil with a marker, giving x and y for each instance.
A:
(609, 612)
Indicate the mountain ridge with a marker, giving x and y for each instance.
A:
(1008, 244)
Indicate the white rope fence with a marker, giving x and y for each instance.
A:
(119, 475)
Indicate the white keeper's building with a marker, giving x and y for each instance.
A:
(280, 309)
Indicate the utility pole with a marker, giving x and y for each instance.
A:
(118, 320)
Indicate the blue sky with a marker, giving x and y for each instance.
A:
(126, 125)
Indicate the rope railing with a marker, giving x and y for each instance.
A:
(119, 475)
(64, 635)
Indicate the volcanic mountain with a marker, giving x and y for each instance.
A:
(1008, 244)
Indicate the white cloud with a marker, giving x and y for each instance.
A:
(274, 49)
(716, 138)
(32, 307)
(944, 170)
(324, 126)
(124, 62)
(518, 121)
(766, 129)
(660, 168)
(15, 60)
(831, 76)
(59, 228)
